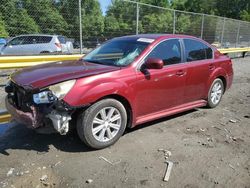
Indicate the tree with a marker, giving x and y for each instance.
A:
(46, 16)
(16, 18)
(93, 21)
(121, 18)
(92, 18)
(232, 8)
(245, 15)
(3, 32)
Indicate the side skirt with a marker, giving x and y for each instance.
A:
(170, 111)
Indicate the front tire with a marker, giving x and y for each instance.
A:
(102, 124)
(215, 93)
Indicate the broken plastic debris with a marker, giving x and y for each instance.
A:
(232, 121)
(44, 178)
(57, 163)
(168, 171)
(10, 172)
(89, 181)
(101, 157)
(167, 153)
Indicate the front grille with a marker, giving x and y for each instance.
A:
(20, 98)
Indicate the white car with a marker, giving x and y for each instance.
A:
(37, 44)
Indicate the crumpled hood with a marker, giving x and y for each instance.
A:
(48, 74)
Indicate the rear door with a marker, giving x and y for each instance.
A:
(162, 89)
(200, 64)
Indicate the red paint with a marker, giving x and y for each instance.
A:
(151, 95)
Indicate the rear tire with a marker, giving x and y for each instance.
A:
(215, 93)
(102, 124)
(44, 52)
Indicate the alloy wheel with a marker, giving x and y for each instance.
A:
(106, 124)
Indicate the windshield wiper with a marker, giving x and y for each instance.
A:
(99, 62)
(93, 61)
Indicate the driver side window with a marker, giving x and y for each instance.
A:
(169, 51)
(17, 41)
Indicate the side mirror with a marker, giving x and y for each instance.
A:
(154, 63)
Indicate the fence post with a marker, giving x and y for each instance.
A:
(237, 37)
(223, 30)
(80, 24)
(174, 17)
(202, 25)
(137, 18)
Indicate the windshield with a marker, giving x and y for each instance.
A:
(117, 52)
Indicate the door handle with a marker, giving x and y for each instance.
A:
(180, 73)
(211, 67)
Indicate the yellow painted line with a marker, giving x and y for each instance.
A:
(234, 50)
(5, 118)
(27, 61)
(20, 59)
(21, 65)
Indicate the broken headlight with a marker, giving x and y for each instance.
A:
(43, 97)
(61, 89)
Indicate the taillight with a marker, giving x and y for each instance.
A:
(58, 45)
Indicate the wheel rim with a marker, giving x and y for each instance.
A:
(106, 124)
(216, 93)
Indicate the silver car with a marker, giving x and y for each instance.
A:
(36, 44)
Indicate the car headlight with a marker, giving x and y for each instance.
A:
(55, 91)
(61, 89)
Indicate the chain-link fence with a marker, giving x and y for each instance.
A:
(75, 26)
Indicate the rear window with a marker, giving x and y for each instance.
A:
(44, 39)
(62, 39)
(195, 50)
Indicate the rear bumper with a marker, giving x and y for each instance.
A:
(31, 119)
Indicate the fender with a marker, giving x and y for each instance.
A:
(91, 89)
(218, 72)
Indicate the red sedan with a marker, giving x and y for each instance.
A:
(123, 83)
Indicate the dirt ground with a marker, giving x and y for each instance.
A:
(209, 148)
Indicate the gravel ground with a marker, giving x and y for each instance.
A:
(209, 148)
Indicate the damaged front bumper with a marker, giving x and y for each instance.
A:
(22, 108)
(31, 119)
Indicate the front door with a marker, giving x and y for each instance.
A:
(162, 89)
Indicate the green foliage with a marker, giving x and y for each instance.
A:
(120, 19)
(93, 21)
(245, 15)
(16, 19)
(46, 15)
(232, 8)
(62, 17)
(26, 25)
(157, 23)
(3, 32)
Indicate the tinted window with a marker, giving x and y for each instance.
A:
(44, 39)
(17, 41)
(169, 51)
(30, 40)
(62, 39)
(195, 50)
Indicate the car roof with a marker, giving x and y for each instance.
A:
(155, 36)
(43, 35)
